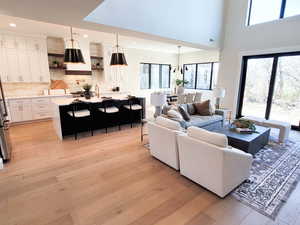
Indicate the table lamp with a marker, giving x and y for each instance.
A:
(158, 100)
(219, 93)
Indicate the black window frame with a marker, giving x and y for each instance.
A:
(281, 14)
(243, 78)
(160, 75)
(196, 75)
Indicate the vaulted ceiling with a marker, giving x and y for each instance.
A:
(191, 23)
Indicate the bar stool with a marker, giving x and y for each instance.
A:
(190, 97)
(80, 111)
(133, 105)
(109, 108)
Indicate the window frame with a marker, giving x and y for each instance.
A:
(196, 75)
(281, 14)
(160, 75)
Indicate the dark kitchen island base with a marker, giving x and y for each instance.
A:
(64, 123)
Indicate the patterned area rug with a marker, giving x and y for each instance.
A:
(274, 174)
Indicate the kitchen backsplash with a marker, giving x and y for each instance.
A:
(24, 89)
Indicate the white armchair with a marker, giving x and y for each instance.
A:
(163, 140)
(206, 159)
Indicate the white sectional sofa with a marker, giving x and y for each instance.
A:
(200, 155)
(206, 159)
(163, 140)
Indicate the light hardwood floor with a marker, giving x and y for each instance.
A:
(109, 179)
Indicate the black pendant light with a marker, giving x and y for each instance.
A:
(179, 68)
(118, 58)
(73, 55)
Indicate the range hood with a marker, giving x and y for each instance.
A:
(82, 68)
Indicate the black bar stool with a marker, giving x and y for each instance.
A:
(133, 105)
(81, 111)
(110, 110)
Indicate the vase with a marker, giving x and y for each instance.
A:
(180, 90)
(87, 94)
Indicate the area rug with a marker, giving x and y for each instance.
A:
(274, 174)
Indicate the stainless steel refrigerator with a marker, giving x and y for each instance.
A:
(5, 143)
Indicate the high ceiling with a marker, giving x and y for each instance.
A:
(192, 21)
(32, 27)
(73, 12)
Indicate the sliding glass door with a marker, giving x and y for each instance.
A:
(270, 87)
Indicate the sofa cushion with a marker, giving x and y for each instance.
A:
(201, 121)
(208, 137)
(204, 108)
(168, 123)
(184, 113)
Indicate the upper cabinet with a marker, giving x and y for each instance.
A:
(23, 59)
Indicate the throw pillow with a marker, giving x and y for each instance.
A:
(191, 108)
(204, 108)
(184, 113)
(166, 108)
(174, 114)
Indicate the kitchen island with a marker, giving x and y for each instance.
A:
(64, 124)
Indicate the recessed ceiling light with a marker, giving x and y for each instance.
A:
(85, 36)
(12, 25)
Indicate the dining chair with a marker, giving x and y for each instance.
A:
(190, 97)
(133, 105)
(198, 97)
(181, 99)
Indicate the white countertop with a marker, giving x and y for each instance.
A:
(68, 101)
(37, 96)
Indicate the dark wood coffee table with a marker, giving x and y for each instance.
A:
(250, 143)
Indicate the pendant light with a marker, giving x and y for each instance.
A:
(118, 58)
(179, 68)
(73, 55)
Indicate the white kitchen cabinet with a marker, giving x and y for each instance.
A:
(16, 111)
(3, 61)
(20, 110)
(24, 63)
(13, 68)
(27, 109)
(23, 59)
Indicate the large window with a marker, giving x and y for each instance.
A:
(270, 87)
(155, 76)
(261, 11)
(201, 75)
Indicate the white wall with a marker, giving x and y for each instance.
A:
(193, 21)
(200, 57)
(275, 36)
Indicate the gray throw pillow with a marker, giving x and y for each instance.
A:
(191, 108)
(184, 113)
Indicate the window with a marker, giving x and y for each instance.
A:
(201, 75)
(155, 76)
(261, 11)
(270, 87)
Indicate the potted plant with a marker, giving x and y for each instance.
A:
(87, 90)
(180, 85)
(55, 63)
